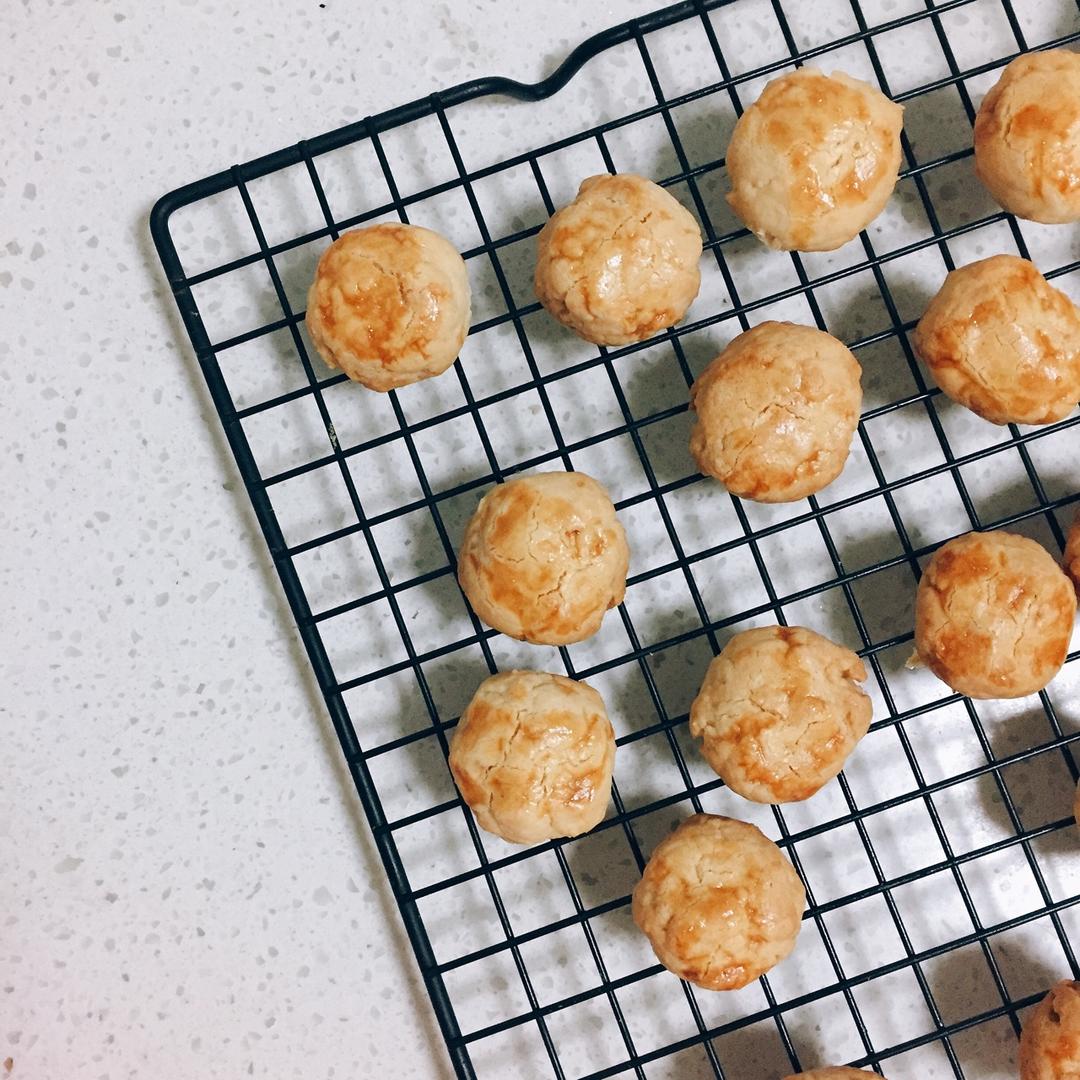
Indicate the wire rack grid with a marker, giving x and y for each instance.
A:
(942, 884)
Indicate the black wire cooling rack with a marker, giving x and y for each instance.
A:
(857, 972)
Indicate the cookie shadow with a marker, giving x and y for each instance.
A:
(963, 986)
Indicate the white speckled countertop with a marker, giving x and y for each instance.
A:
(187, 884)
(187, 887)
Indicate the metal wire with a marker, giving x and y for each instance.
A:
(360, 757)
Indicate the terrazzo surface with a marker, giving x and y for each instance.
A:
(187, 886)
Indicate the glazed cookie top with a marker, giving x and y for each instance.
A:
(389, 305)
(779, 711)
(1050, 1041)
(994, 615)
(544, 557)
(1027, 137)
(620, 262)
(532, 756)
(1002, 341)
(814, 160)
(776, 412)
(719, 902)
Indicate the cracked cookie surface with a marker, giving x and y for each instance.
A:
(389, 305)
(533, 755)
(1050, 1041)
(779, 712)
(620, 262)
(544, 557)
(1027, 137)
(719, 903)
(1003, 342)
(814, 160)
(1071, 557)
(994, 615)
(776, 412)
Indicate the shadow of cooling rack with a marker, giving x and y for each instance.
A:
(942, 878)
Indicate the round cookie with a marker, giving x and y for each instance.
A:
(1050, 1041)
(779, 712)
(620, 262)
(532, 756)
(719, 903)
(776, 411)
(1003, 342)
(1071, 556)
(835, 1072)
(389, 305)
(993, 615)
(814, 160)
(1027, 137)
(544, 557)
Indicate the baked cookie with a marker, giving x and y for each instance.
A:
(814, 160)
(1003, 342)
(776, 411)
(544, 557)
(835, 1072)
(719, 903)
(1050, 1041)
(1027, 137)
(1071, 558)
(389, 305)
(779, 711)
(993, 615)
(620, 262)
(532, 756)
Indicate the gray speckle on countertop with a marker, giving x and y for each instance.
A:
(188, 886)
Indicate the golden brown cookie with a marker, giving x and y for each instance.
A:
(544, 557)
(1050, 1041)
(1027, 137)
(389, 305)
(814, 160)
(620, 262)
(779, 712)
(776, 411)
(532, 756)
(1071, 557)
(993, 615)
(1002, 341)
(719, 903)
